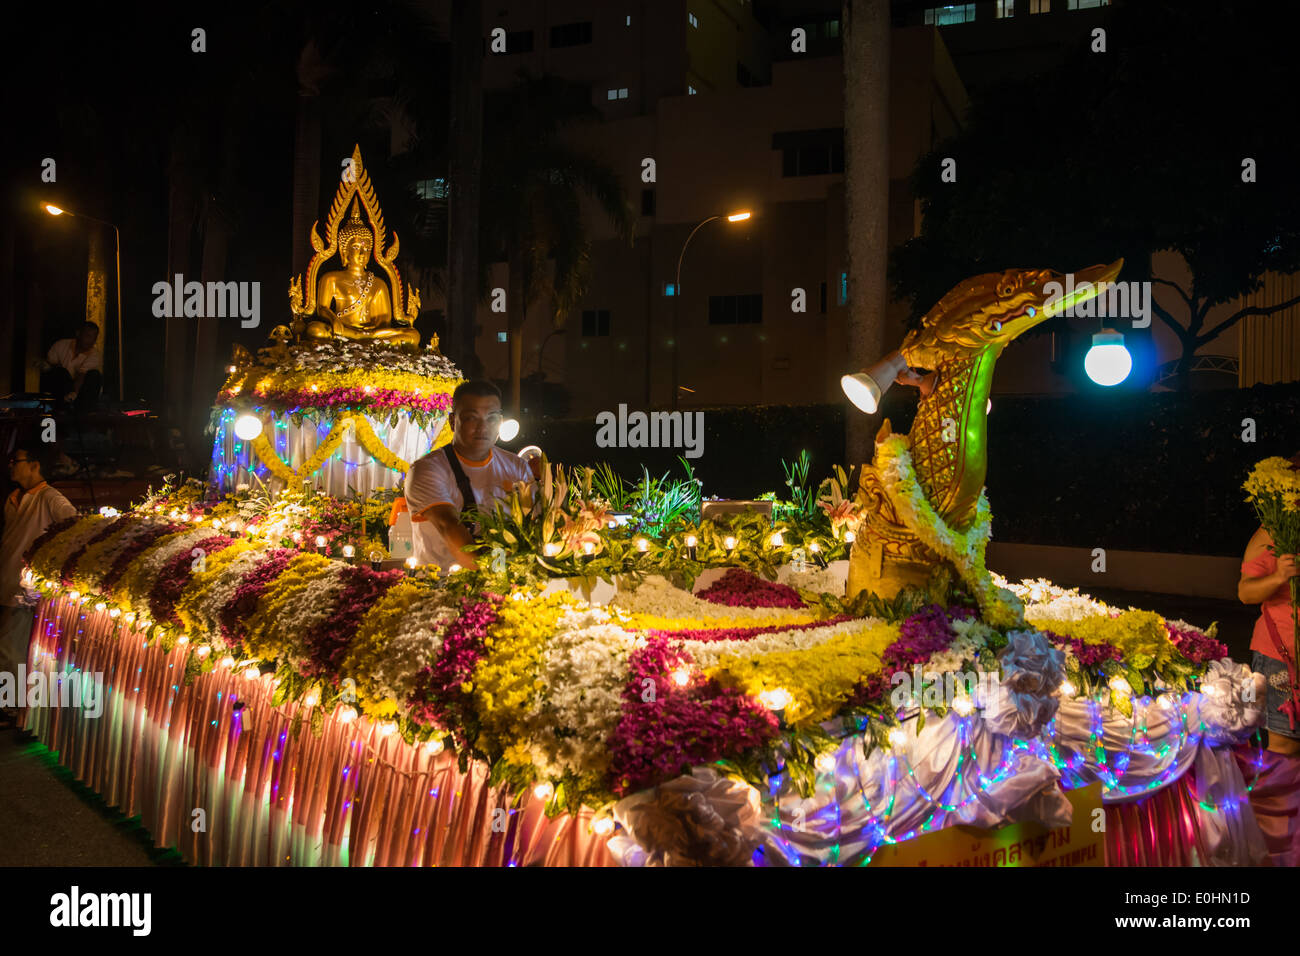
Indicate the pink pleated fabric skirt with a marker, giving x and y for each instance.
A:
(213, 770)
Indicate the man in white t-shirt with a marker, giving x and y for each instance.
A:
(437, 484)
(74, 374)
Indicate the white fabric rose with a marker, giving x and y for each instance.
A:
(701, 819)
(1023, 702)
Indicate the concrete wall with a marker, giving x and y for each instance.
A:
(1195, 575)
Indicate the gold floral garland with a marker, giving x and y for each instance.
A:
(366, 437)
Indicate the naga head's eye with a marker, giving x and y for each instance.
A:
(996, 325)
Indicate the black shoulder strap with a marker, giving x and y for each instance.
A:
(462, 479)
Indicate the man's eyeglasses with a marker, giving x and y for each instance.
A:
(17, 461)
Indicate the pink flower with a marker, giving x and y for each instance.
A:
(741, 588)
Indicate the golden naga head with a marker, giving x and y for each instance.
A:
(994, 308)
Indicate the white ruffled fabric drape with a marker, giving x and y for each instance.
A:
(350, 470)
(958, 770)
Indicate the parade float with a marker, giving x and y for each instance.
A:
(836, 683)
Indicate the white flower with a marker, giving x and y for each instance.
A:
(708, 653)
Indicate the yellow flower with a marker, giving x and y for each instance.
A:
(505, 678)
(819, 679)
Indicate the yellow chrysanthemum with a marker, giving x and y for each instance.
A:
(505, 678)
(819, 679)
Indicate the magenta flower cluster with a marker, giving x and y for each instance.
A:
(740, 633)
(327, 642)
(355, 398)
(741, 588)
(1196, 647)
(176, 574)
(438, 698)
(244, 602)
(679, 727)
(70, 564)
(1091, 656)
(133, 550)
(55, 529)
(923, 634)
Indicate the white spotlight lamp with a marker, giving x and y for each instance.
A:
(864, 389)
(1108, 362)
(509, 429)
(247, 427)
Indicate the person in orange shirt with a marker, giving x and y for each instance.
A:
(1275, 798)
(29, 510)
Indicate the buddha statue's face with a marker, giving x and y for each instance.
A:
(355, 252)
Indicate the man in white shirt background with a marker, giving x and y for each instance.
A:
(469, 471)
(74, 374)
(28, 511)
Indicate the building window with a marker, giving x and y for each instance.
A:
(520, 41)
(622, 93)
(827, 28)
(629, 20)
(595, 322)
(1040, 6)
(1006, 8)
(571, 34)
(822, 300)
(844, 289)
(647, 202)
(812, 152)
(690, 90)
(743, 76)
(695, 21)
(431, 188)
(1087, 4)
(503, 336)
(611, 94)
(736, 309)
(954, 13)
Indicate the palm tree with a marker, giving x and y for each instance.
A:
(865, 29)
(532, 186)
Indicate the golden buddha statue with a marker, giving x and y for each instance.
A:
(350, 302)
(353, 302)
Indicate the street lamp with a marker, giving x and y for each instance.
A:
(54, 210)
(739, 216)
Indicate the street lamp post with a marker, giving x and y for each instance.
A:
(677, 288)
(54, 210)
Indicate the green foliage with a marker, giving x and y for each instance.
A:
(803, 499)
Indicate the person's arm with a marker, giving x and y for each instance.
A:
(60, 507)
(1254, 589)
(457, 536)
